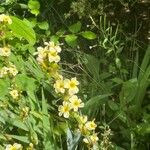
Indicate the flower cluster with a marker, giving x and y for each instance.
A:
(11, 70)
(5, 19)
(67, 89)
(48, 53)
(15, 146)
(87, 128)
(15, 94)
(8, 69)
(5, 51)
(106, 134)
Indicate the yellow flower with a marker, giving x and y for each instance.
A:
(14, 94)
(42, 54)
(13, 70)
(5, 51)
(4, 71)
(15, 146)
(24, 112)
(49, 44)
(50, 52)
(53, 56)
(90, 125)
(86, 140)
(31, 147)
(5, 19)
(71, 85)
(76, 103)
(83, 119)
(64, 109)
(94, 138)
(83, 129)
(59, 86)
(52, 46)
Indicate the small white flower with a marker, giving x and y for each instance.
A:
(90, 125)
(59, 86)
(52, 46)
(13, 70)
(76, 103)
(53, 56)
(5, 19)
(4, 71)
(64, 109)
(15, 146)
(5, 51)
(14, 94)
(71, 85)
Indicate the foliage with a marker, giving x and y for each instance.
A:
(105, 45)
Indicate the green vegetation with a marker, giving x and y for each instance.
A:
(74, 75)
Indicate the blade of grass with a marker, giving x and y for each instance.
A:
(47, 130)
(144, 64)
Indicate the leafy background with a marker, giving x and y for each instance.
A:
(105, 45)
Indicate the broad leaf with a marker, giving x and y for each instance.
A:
(71, 40)
(88, 35)
(75, 27)
(21, 29)
(43, 25)
(34, 6)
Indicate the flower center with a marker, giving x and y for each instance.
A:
(72, 85)
(76, 103)
(54, 53)
(66, 109)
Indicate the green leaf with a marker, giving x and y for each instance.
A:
(72, 140)
(75, 27)
(71, 40)
(34, 68)
(1, 146)
(46, 125)
(4, 86)
(96, 101)
(34, 6)
(20, 138)
(35, 12)
(21, 29)
(117, 80)
(54, 38)
(23, 6)
(93, 106)
(88, 35)
(128, 92)
(118, 62)
(2, 9)
(27, 84)
(19, 124)
(113, 105)
(60, 32)
(43, 25)
(93, 65)
(143, 128)
(29, 22)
